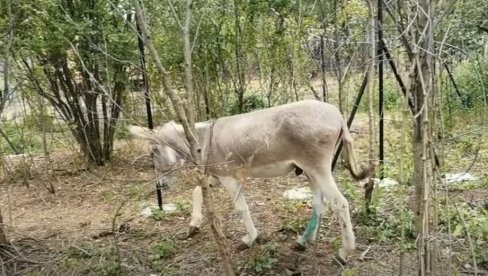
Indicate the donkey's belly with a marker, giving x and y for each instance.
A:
(271, 170)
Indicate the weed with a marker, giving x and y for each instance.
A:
(335, 244)
(165, 270)
(386, 227)
(294, 225)
(121, 132)
(20, 138)
(350, 272)
(164, 249)
(108, 268)
(34, 273)
(466, 220)
(158, 214)
(182, 205)
(81, 252)
(262, 261)
(294, 206)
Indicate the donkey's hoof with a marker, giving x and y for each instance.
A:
(250, 239)
(341, 256)
(192, 231)
(341, 260)
(262, 239)
(298, 246)
(241, 247)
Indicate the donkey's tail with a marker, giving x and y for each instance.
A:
(358, 174)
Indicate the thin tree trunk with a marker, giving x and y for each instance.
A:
(371, 73)
(337, 58)
(47, 158)
(3, 237)
(421, 89)
(190, 112)
(325, 92)
(241, 77)
(6, 59)
(216, 228)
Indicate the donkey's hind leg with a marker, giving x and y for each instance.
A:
(331, 193)
(310, 233)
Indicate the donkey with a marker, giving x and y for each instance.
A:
(271, 142)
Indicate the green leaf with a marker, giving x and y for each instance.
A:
(458, 230)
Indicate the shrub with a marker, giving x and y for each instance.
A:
(472, 80)
(250, 103)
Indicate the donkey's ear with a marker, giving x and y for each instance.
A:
(142, 133)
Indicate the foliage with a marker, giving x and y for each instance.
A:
(250, 103)
(122, 132)
(294, 225)
(353, 271)
(467, 26)
(467, 222)
(158, 214)
(109, 268)
(472, 78)
(386, 227)
(74, 55)
(21, 138)
(81, 251)
(164, 249)
(262, 261)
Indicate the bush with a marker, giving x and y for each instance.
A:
(393, 98)
(262, 261)
(250, 103)
(472, 80)
(164, 249)
(21, 139)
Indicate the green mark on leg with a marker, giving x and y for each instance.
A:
(310, 230)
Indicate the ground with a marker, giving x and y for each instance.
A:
(91, 224)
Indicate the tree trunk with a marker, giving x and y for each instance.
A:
(325, 92)
(371, 74)
(190, 108)
(3, 237)
(241, 74)
(421, 90)
(6, 59)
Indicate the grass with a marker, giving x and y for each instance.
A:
(261, 261)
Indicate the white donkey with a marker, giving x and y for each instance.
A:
(300, 136)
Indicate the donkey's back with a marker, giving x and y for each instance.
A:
(279, 137)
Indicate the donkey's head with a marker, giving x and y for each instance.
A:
(166, 151)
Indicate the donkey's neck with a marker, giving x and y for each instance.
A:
(201, 129)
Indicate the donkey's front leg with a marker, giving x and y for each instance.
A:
(196, 214)
(235, 191)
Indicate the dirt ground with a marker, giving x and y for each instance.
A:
(72, 232)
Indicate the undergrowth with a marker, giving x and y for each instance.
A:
(261, 261)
